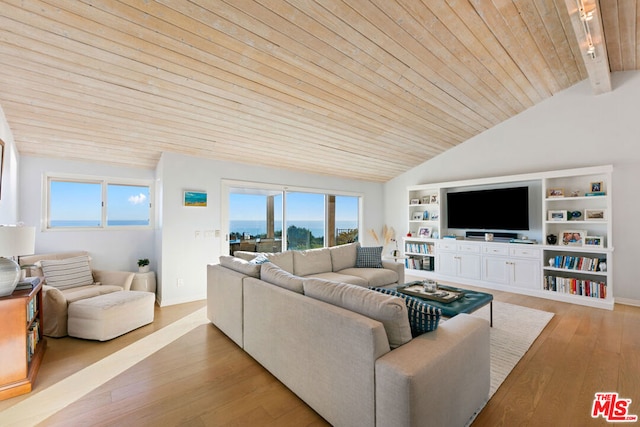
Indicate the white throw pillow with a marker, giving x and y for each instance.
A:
(67, 273)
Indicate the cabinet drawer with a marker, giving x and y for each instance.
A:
(495, 250)
(468, 248)
(448, 246)
(525, 252)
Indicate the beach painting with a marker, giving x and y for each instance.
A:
(195, 198)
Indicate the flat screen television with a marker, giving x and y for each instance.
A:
(493, 209)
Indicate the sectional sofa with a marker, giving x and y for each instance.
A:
(344, 348)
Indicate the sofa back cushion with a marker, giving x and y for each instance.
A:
(312, 261)
(240, 265)
(67, 273)
(423, 317)
(269, 272)
(389, 310)
(369, 257)
(33, 261)
(283, 260)
(344, 256)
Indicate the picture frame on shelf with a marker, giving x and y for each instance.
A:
(597, 186)
(433, 199)
(425, 216)
(416, 216)
(425, 200)
(555, 192)
(557, 215)
(594, 241)
(414, 201)
(573, 237)
(424, 232)
(595, 214)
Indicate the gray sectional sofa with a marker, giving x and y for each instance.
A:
(343, 348)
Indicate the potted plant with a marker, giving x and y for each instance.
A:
(143, 265)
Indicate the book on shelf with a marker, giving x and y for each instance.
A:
(27, 283)
(574, 286)
(595, 193)
(568, 262)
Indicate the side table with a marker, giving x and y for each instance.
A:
(144, 282)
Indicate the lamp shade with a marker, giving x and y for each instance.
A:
(13, 241)
(17, 241)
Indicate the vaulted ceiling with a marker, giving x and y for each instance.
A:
(363, 89)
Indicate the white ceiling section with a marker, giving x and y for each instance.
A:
(349, 88)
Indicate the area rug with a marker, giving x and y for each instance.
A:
(515, 328)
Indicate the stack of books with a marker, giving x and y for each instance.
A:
(28, 283)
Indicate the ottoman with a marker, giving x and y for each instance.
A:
(110, 315)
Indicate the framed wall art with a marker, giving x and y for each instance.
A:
(195, 198)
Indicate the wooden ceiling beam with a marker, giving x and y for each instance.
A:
(597, 61)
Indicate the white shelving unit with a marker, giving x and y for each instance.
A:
(579, 216)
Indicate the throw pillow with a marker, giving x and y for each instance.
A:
(67, 273)
(260, 259)
(240, 265)
(386, 309)
(422, 316)
(369, 257)
(275, 275)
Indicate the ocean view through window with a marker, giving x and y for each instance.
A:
(81, 203)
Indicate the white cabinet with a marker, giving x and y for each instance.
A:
(513, 266)
(459, 260)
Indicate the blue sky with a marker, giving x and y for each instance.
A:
(300, 206)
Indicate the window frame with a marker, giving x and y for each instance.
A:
(104, 183)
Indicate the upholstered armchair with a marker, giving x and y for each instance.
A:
(68, 277)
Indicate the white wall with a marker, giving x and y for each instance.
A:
(572, 129)
(9, 213)
(109, 249)
(184, 256)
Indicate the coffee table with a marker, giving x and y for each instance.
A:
(470, 302)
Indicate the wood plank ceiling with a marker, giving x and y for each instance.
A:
(351, 88)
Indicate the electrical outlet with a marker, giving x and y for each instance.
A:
(180, 283)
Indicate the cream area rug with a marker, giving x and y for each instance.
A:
(515, 328)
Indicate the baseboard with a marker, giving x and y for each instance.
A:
(628, 301)
(163, 302)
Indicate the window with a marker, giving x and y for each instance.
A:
(311, 219)
(85, 203)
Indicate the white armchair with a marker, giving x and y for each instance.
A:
(56, 299)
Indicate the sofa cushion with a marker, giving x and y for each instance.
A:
(344, 256)
(373, 276)
(240, 265)
(369, 257)
(341, 278)
(422, 316)
(389, 310)
(82, 292)
(67, 273)
(311, 261)
(273, 274)
(283, 260)
(260, 259)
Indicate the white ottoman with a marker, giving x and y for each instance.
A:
(110, 315)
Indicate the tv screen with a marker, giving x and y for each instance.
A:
(495, 209)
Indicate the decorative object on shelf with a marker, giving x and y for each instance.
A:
(597, 187)
(575, 193)
(143, 265)
(488, 237)
(14, 240)
(573, 237)
(414, 202)
(574, 214)
(426, 200)
(602, 266)
(435, 235)
(388, 236)
(552, 239)
(555, 192)
(425, 215)
(435, 216)
(557, 215)
(594, 241)
(424, 232)
(416, 216)
(434, 199)
(552, 262)
(595, 214)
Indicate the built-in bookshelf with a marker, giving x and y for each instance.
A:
(567, 253)
(21, 340)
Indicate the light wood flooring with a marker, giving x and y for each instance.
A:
(204, 379)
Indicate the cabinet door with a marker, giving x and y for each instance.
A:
(496, 270)
(447, 263)
(469, 266)
(526, 273)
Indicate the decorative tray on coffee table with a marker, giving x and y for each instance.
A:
(416, 289)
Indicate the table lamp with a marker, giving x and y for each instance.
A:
(14, 241)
